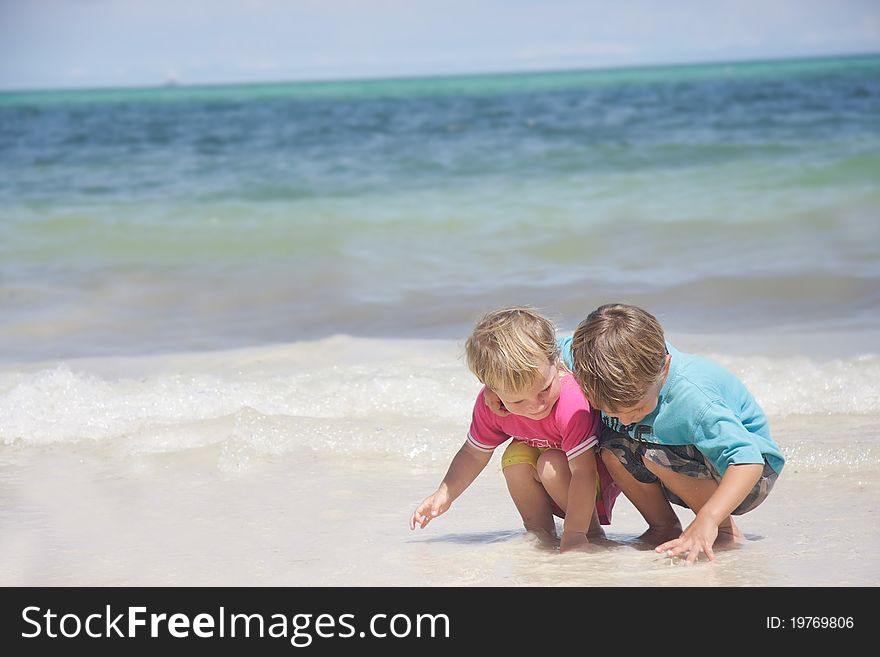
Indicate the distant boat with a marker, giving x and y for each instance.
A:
(171, 81)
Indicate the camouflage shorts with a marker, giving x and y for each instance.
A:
(684, 459)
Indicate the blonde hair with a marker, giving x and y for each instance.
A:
(508, 347)
(619, 352)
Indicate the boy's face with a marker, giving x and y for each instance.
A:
(536, 402)
(645, 406)
(638, 411)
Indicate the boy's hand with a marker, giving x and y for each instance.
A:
(433, 506)
(494, 403)
(698, 537)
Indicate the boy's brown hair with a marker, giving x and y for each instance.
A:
(619, 352)
(508, 347)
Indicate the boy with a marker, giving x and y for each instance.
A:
(550, 465)
(678, 428)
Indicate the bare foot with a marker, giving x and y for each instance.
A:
(730, 534)
(545, 538)
(598, 532)
(603, 541)
(658, 535)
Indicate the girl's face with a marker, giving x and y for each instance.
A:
(536, 402)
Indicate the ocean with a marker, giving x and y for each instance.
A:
(232, 317)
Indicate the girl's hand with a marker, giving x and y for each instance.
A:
(572, 541)
(433, 506)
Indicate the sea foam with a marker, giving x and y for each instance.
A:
(415, 407)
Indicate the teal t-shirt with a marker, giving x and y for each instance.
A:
(704, 405)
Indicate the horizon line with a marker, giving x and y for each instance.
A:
(176, 84)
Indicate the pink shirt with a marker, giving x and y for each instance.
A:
(571, 426)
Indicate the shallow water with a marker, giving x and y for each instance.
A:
(300, 465)
(314, 521)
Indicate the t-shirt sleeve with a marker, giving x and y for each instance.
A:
(565, 351)
(578, 422)
(721, 436)
(485, 433)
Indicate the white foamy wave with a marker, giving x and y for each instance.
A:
(416, 406)
(359, 408)
(801, 386)
(840, 454)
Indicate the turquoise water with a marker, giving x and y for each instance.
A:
(723, 197)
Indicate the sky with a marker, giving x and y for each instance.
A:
(47, 44)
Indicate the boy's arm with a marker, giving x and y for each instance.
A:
(699, 536)
(581, 500)
(465, 466)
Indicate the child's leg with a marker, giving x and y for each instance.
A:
(531, 499)
(694, 492)
(533, 502)
(648, 498)
(555, 476)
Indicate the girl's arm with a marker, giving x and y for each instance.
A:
(465, 466)
(581, 500)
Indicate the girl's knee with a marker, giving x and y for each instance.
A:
(552, 463)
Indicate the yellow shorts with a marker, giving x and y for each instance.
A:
(520, 452)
